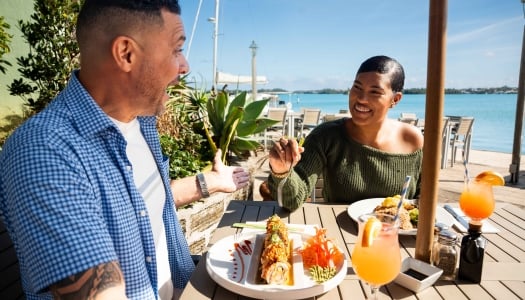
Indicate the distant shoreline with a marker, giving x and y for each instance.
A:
(410, 91)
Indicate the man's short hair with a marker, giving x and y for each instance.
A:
(119, 15)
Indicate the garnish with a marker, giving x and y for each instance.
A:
(320, 274)
(490, 177)
(321, 255)
(371, 231)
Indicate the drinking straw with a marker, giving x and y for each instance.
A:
(465, 162)
(403, 194)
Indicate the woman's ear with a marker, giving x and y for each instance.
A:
(397, 97)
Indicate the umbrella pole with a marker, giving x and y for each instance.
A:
(435, 94)
(518, 124)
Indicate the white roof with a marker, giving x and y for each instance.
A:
(225, 78)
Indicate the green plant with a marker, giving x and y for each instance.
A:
(5, 39)
(53, 52)
(182, 136)
(234, 124)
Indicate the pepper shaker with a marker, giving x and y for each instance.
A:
(445, 255)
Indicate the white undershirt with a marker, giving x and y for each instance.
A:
(149, 183)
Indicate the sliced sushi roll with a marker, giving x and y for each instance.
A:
(277, 273)
(275, 266)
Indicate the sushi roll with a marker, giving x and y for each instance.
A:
(275, 266)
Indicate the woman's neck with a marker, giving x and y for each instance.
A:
(373, 135)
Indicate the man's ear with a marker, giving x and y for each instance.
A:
(123, 52)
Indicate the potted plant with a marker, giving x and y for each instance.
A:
(233, 125)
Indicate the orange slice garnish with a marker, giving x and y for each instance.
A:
(490, 177)
(371, 231)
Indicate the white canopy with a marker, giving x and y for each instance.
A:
(226, 78)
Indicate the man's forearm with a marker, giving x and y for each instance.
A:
(185, 190)
(104, 281)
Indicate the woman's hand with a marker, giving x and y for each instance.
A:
(284, 154)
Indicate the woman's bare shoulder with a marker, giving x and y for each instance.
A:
(408, 135)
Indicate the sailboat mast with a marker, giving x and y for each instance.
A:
(215, 42)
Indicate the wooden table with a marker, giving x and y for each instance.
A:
(503, 270)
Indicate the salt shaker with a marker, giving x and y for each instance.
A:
(445, 255)
(438, 227)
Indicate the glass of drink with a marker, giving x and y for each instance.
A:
(477, 201)
(376, 257)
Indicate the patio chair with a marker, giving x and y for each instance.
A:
(10, 282)
(277, 130)
(332, 117)
(445, 140)
(461, 138)
(409, 118)
(317, 191)
(310, 119)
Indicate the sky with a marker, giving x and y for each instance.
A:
(311, 45)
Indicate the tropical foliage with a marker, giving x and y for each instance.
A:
(5, 40)
(233, 124)
(181, 130)
(53, 52)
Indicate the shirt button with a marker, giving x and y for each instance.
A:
(149, 259)
(143, 213)
(128, 168)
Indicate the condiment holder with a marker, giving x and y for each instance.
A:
(417, 275)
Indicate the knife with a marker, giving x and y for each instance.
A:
(459, 218)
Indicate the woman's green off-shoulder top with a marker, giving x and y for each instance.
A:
(351, 171)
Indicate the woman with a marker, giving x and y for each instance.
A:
(365, 156)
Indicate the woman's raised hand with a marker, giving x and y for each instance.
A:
(284, 154)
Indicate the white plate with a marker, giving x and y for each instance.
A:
(234, 266)
(367, 206)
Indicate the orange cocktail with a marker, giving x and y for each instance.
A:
(477, 200)
(376, 257)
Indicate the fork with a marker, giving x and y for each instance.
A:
(281, 184)
(237, 236)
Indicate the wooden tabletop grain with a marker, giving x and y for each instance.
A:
(503, 270)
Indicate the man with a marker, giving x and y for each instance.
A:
(84, 188)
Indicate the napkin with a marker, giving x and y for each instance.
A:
(486, 228)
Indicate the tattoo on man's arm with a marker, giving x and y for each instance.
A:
(88, 284)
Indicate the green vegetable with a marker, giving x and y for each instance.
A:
(320, 274)
(414, 215)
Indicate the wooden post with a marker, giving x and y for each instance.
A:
(433, 126)
(518, 124)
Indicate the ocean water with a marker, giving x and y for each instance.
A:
(494, 114)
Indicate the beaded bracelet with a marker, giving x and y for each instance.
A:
(278, 175)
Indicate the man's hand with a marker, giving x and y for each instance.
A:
(228, 178)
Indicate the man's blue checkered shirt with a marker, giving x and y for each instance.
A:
(69, 202)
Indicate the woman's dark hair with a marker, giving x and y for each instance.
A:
(385, 65)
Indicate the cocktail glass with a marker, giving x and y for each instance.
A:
(379, 262)
(477, 201)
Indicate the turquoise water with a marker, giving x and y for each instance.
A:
(494, 114)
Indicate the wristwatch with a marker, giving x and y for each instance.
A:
(203, 185)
